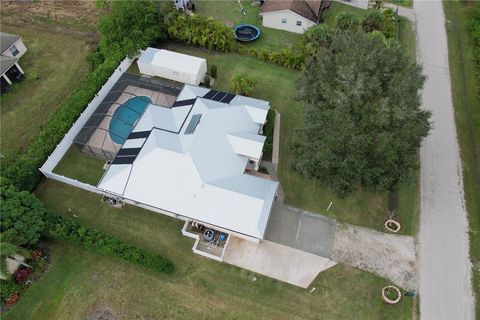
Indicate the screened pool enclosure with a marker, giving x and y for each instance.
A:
(111, 123)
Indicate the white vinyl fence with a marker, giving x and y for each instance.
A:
(64, 145)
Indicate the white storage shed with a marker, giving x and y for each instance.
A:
(172, 65)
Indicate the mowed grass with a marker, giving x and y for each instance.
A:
(466, 102)
(277, 85)
(80, 166)
(200, 288)
(229, 11)
(54, 65)
(403, 3)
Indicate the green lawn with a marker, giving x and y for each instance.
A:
(467, 115)
(80, 281)
(407, 37)
(403, 3)
(54, 65)
(80, 166)
(229, 11)
(336, 7)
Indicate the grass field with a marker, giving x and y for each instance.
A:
(403, 3)
(54, 65)
(467, 115)
(335, 8)
(80, 166)
(80, 282)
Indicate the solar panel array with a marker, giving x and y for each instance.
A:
(192, 125)
(219, 96)
(128, 155)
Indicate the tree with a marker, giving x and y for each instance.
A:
(23, 213)
(363, 124)
(243, 84)
(130, 26)
(347, 21)
(374, 20)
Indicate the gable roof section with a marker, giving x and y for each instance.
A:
(7, 40)
(200, 175)
(6, 63)
(309, 9)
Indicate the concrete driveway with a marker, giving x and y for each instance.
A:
(276, 261)
(300, 229)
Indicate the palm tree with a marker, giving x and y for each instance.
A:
(11, 251)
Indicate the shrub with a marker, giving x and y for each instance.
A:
(243, 84)
(21, 276)
(374, 20)
(9, 288)
(201, 31)
(213, 71)
(389, 23)
(67, 230)
(268, 132)
(347, 21)
(22, 216)
(206, 81)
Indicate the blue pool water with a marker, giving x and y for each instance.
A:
(125, 116)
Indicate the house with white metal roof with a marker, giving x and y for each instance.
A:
(197, 160)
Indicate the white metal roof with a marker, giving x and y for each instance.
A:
(172, 60)
(200, 175)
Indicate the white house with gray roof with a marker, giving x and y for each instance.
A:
(196, 160)
(12, 49)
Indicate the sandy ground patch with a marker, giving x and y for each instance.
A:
(389, 256)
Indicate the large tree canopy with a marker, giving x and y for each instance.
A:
(130, 26)
(363, 123)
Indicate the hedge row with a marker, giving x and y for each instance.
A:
(24, 173)
(60, 228)
(201, 31)
(285, 57)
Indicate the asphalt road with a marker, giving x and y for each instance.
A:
(444, 267)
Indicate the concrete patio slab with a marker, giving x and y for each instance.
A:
(301, 229)
(276, 261)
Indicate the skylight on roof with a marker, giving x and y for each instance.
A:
(192, 125)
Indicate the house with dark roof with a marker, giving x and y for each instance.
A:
(292, 15)
(12, 49)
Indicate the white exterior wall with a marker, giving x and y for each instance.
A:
(20, 47)
(274, 20)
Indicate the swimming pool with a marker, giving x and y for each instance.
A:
(125, 116)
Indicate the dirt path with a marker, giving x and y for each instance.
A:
(389, 256)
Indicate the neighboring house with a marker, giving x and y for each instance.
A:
(292, 15)
(12, 49)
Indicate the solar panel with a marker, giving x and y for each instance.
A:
(124, 160)
(192, 125)
(228, 98)
(210, 94)
(138, 134)
(129, 152)
(219, 96)
(183, 103)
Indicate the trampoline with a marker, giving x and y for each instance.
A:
(125, 117)
(246, 33)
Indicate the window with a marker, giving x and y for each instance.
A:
(14, 50)
(299, 23)
(284, 20)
